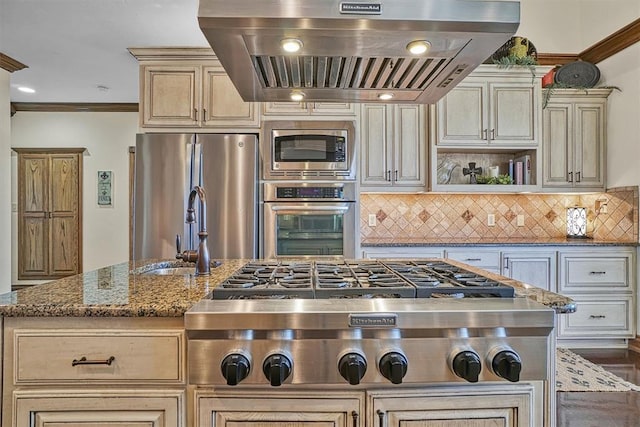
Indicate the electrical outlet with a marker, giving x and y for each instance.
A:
(373, 221)
(520, 220)
(491, 220)
(14, 207)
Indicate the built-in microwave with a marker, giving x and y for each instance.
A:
(308, 150)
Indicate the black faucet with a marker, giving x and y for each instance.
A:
(201, 256)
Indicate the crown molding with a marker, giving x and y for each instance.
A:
(556, 58)
(10, 64)
(616, 42)
(75, 107)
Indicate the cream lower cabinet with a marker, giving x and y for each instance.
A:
(393, 147)
(602, 282)
(94, 372)
(278, 409)
(533, 267)
(468, 407)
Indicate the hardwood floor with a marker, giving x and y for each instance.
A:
(606, 409)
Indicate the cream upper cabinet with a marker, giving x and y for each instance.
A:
(491, 107)
(574, 142)
(187, 87)
(308, 109)
(393, 147)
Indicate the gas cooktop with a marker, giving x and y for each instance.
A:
(357, 279)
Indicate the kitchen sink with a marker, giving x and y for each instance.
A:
(170, 268)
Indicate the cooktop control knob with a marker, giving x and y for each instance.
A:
(393, 366)
(352, 367)
(466, 365)
(507, 364)
(277, 369)
(235, 368)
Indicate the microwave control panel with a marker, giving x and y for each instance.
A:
(310, 193)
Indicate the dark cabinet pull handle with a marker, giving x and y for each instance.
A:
(473, 259)
(396, 174)
(380, 418)
(388, 175)
(570, 176)
(577, 176)
(493, 134)
(204, 115)
(484, 134)
(597, 316)
(83, 361)
(195, 113)
(506, 263)
(354, 415)
(593, 273)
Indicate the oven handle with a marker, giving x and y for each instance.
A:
(310, 209)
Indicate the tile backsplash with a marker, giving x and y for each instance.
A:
(611, 216)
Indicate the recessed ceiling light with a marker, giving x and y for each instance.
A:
(291, 45)
(385, 96)
(297, 96)
(26, 89)
(418, 47)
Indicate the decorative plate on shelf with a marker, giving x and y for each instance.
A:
(516, 46)
(578, 74)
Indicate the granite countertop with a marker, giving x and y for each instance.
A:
(122, 290)
(558, 241)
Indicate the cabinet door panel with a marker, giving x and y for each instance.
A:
(589, 153)
(34, 175)
(99, 419)
(537, 269)
(557, 145)
(34, 250)
(461, 116)
(223, 106)
(64, 184)
(63, 245)
(410, 157)
(171, 96)
(375, 146)
(513, 114)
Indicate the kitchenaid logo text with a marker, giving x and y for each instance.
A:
(364, 320)
(356, 8)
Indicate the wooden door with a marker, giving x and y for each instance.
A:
(64, 210)
(49, 213)
(33, 212)
(410, 145)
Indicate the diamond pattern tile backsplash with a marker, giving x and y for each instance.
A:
(611, 216)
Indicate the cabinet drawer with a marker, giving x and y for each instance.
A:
(598, 316)
(53, 356)
(597, 273)
(489, 260)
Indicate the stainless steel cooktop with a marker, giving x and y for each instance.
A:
(276, 279)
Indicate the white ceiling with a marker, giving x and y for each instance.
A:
(74, 46)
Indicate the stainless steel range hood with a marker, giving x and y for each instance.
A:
(354, 51)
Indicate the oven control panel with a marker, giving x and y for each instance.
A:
(310, 192)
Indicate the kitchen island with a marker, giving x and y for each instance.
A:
(110, 346)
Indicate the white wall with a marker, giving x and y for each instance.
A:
(107, 137)
(5, 183)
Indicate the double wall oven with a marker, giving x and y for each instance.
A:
(309, 192)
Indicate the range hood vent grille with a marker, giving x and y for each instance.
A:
(353, 72)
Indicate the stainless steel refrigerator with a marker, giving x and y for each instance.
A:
(168, 166)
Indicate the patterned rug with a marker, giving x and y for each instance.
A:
(574, 373)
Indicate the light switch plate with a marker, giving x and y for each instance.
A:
(491, 220)
(520, 220)
(373, 221)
